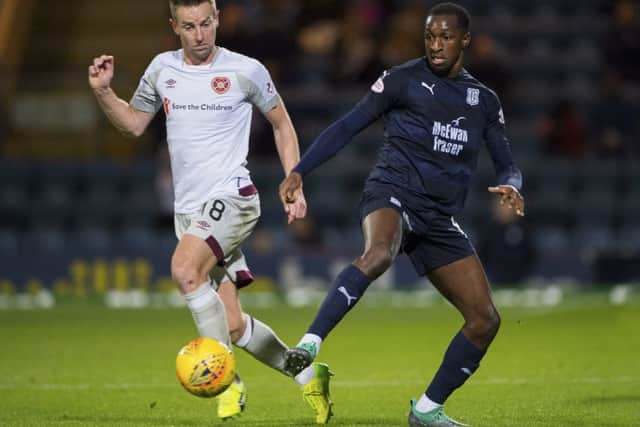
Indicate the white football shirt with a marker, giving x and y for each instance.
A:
(208, 109)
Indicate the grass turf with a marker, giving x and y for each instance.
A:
(84, 365)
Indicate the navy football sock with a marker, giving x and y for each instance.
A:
(344, 293)
(461, 359)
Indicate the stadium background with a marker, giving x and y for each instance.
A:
(85, 211)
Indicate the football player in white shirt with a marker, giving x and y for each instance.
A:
(207, 93)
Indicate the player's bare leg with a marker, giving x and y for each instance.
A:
(190, 266)
(465, 285)
(382, 230)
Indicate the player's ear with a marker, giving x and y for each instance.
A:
(174, 26)
(466, 40)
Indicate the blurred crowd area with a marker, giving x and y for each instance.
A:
(567, 72)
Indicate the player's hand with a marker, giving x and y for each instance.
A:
(292, 197)
(510, 195)
(101, 72)
(297, 209)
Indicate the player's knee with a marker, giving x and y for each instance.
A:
(484, 325)
(185, 274)
(376, 260)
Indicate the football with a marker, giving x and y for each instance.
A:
(205, 367)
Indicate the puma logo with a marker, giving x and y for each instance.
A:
(429, 87)
(344, 292)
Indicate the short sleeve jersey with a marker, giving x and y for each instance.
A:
(208, 112)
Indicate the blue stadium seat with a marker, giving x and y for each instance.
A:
(42, 241)
(594, 207)
(134, 241)
(101, 175)
(15, 174)
(8, 242)
(139, 208)
(51, 208)
(14, 203)
(549, 207)
(549, 237)
(593, 237)
(89, 241)
(100, 207)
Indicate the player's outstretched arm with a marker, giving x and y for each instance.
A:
(286, 141)
(125, 118)
(510, 195)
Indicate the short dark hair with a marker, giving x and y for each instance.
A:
(175, 3)
(464, 19)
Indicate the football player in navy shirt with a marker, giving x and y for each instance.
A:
(436, 117)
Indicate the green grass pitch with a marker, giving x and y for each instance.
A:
(85, 365)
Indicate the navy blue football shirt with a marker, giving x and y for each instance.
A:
(434, 128)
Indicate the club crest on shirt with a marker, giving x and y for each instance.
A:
(378, 86)
(220, 84)
(473, 96)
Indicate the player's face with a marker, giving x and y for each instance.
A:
(196, 26)
(444, 42)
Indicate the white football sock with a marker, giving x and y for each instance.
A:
(261, 342)
(425, 404)
(311, 338)
(305, 375)
(208, 313)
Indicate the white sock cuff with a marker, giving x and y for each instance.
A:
(305, 375)
(201, 297)
(248, 331)
(311, 338)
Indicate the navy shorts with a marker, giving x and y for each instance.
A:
(430, 239)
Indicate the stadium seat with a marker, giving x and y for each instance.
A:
(135, 240)
(43, 240)
(592, 237)
(14, 203)
(595, 207)
(9, 239)
(100, 207)
(91, 241)
(51, 208)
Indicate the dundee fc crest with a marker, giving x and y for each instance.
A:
(473, 96)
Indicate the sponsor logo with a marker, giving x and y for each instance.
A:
(270, 88)
(167, 103)
(466, 371)
(170, 84)
(449, 137)
(473, 96)
(395, 201)
(196, 107)
(344, 292)
(220, 84)
(430, 88)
